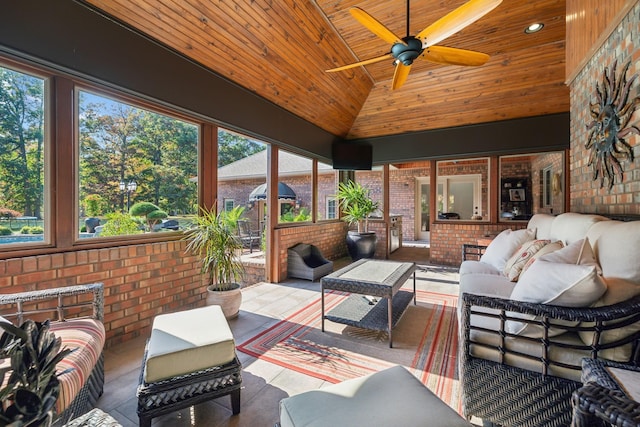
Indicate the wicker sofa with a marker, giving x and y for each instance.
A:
(522, 341)
(77, 314)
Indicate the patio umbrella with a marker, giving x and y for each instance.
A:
(260, 192)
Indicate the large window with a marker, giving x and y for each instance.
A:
(242, 177)
(462, 192)
(23, 154)
(530, 184)
(136, 169)
(295, 188)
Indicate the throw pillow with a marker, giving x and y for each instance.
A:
(566, 284)
(524, 253)
(547, 249)
(504, 245)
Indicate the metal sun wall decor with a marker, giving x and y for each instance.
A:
(611, 114)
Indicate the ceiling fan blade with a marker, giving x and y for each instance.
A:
(375, 26)
(453, 56)
(456, 20)
(358, 64)
(400, 75)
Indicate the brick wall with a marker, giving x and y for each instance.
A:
(329, 237)
(451, 236)
(140, 281)
(586, 195)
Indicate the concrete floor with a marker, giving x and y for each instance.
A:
(264, 384)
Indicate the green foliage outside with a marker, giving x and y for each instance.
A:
(301, 216)
(152, 213)
(94, 205)
(119, 224)
(32, 230)
(232, 147)
(5, 231)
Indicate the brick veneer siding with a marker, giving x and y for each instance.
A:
(140, 281)
(586, 195)
(451, 236)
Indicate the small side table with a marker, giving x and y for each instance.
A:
(94, 418)
(602, 400)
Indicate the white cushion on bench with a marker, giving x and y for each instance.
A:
(389, 398)
(188, 341)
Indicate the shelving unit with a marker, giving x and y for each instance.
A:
(515, 197)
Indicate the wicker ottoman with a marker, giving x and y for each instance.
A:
(389, 398)
(190, 358)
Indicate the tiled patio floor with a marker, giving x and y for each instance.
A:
(264, 384)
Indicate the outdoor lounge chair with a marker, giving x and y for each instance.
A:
(307, 262)
(247, 236)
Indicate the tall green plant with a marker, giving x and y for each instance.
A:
(215, 242)
(356, 204)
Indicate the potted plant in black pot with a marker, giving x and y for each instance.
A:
(214, 239)
(357, 206)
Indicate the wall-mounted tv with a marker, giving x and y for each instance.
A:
(352, 156)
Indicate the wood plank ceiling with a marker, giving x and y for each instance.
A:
(281, 49)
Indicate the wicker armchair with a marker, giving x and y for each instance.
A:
(601, 401)
(500, 390)
(62, 305)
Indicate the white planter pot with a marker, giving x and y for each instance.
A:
(229, 300)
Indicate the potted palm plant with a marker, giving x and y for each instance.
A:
(212, 237)
(357, 206)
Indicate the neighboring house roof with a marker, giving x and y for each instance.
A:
(255, 166)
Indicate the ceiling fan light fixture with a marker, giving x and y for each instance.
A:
(534, 28)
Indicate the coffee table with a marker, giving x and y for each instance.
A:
(375, 278)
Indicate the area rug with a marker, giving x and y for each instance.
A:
(425, 341)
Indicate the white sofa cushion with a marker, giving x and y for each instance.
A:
(570, 227)
(567, 277)
(390, 397)
(618, 290)
(504, 245)
(617, 245)
(188, 341)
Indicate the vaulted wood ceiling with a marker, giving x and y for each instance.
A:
(280, 50)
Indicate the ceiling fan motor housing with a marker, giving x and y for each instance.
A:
(407, 53)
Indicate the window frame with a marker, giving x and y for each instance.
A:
(138, 103)
(48, 189)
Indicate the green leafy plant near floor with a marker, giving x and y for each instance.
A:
(32, 388)
(356, 204)
(5, 231)
(214, 240)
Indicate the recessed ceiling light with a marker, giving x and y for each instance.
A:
(534, 28)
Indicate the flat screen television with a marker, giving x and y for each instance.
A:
(355, 156)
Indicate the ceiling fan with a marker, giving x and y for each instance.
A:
(422, 46)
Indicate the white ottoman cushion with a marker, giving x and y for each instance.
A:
(389, 398)
(188, 341)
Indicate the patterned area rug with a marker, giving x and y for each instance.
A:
(425, 341)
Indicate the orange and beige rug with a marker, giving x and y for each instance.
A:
(425, 340)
